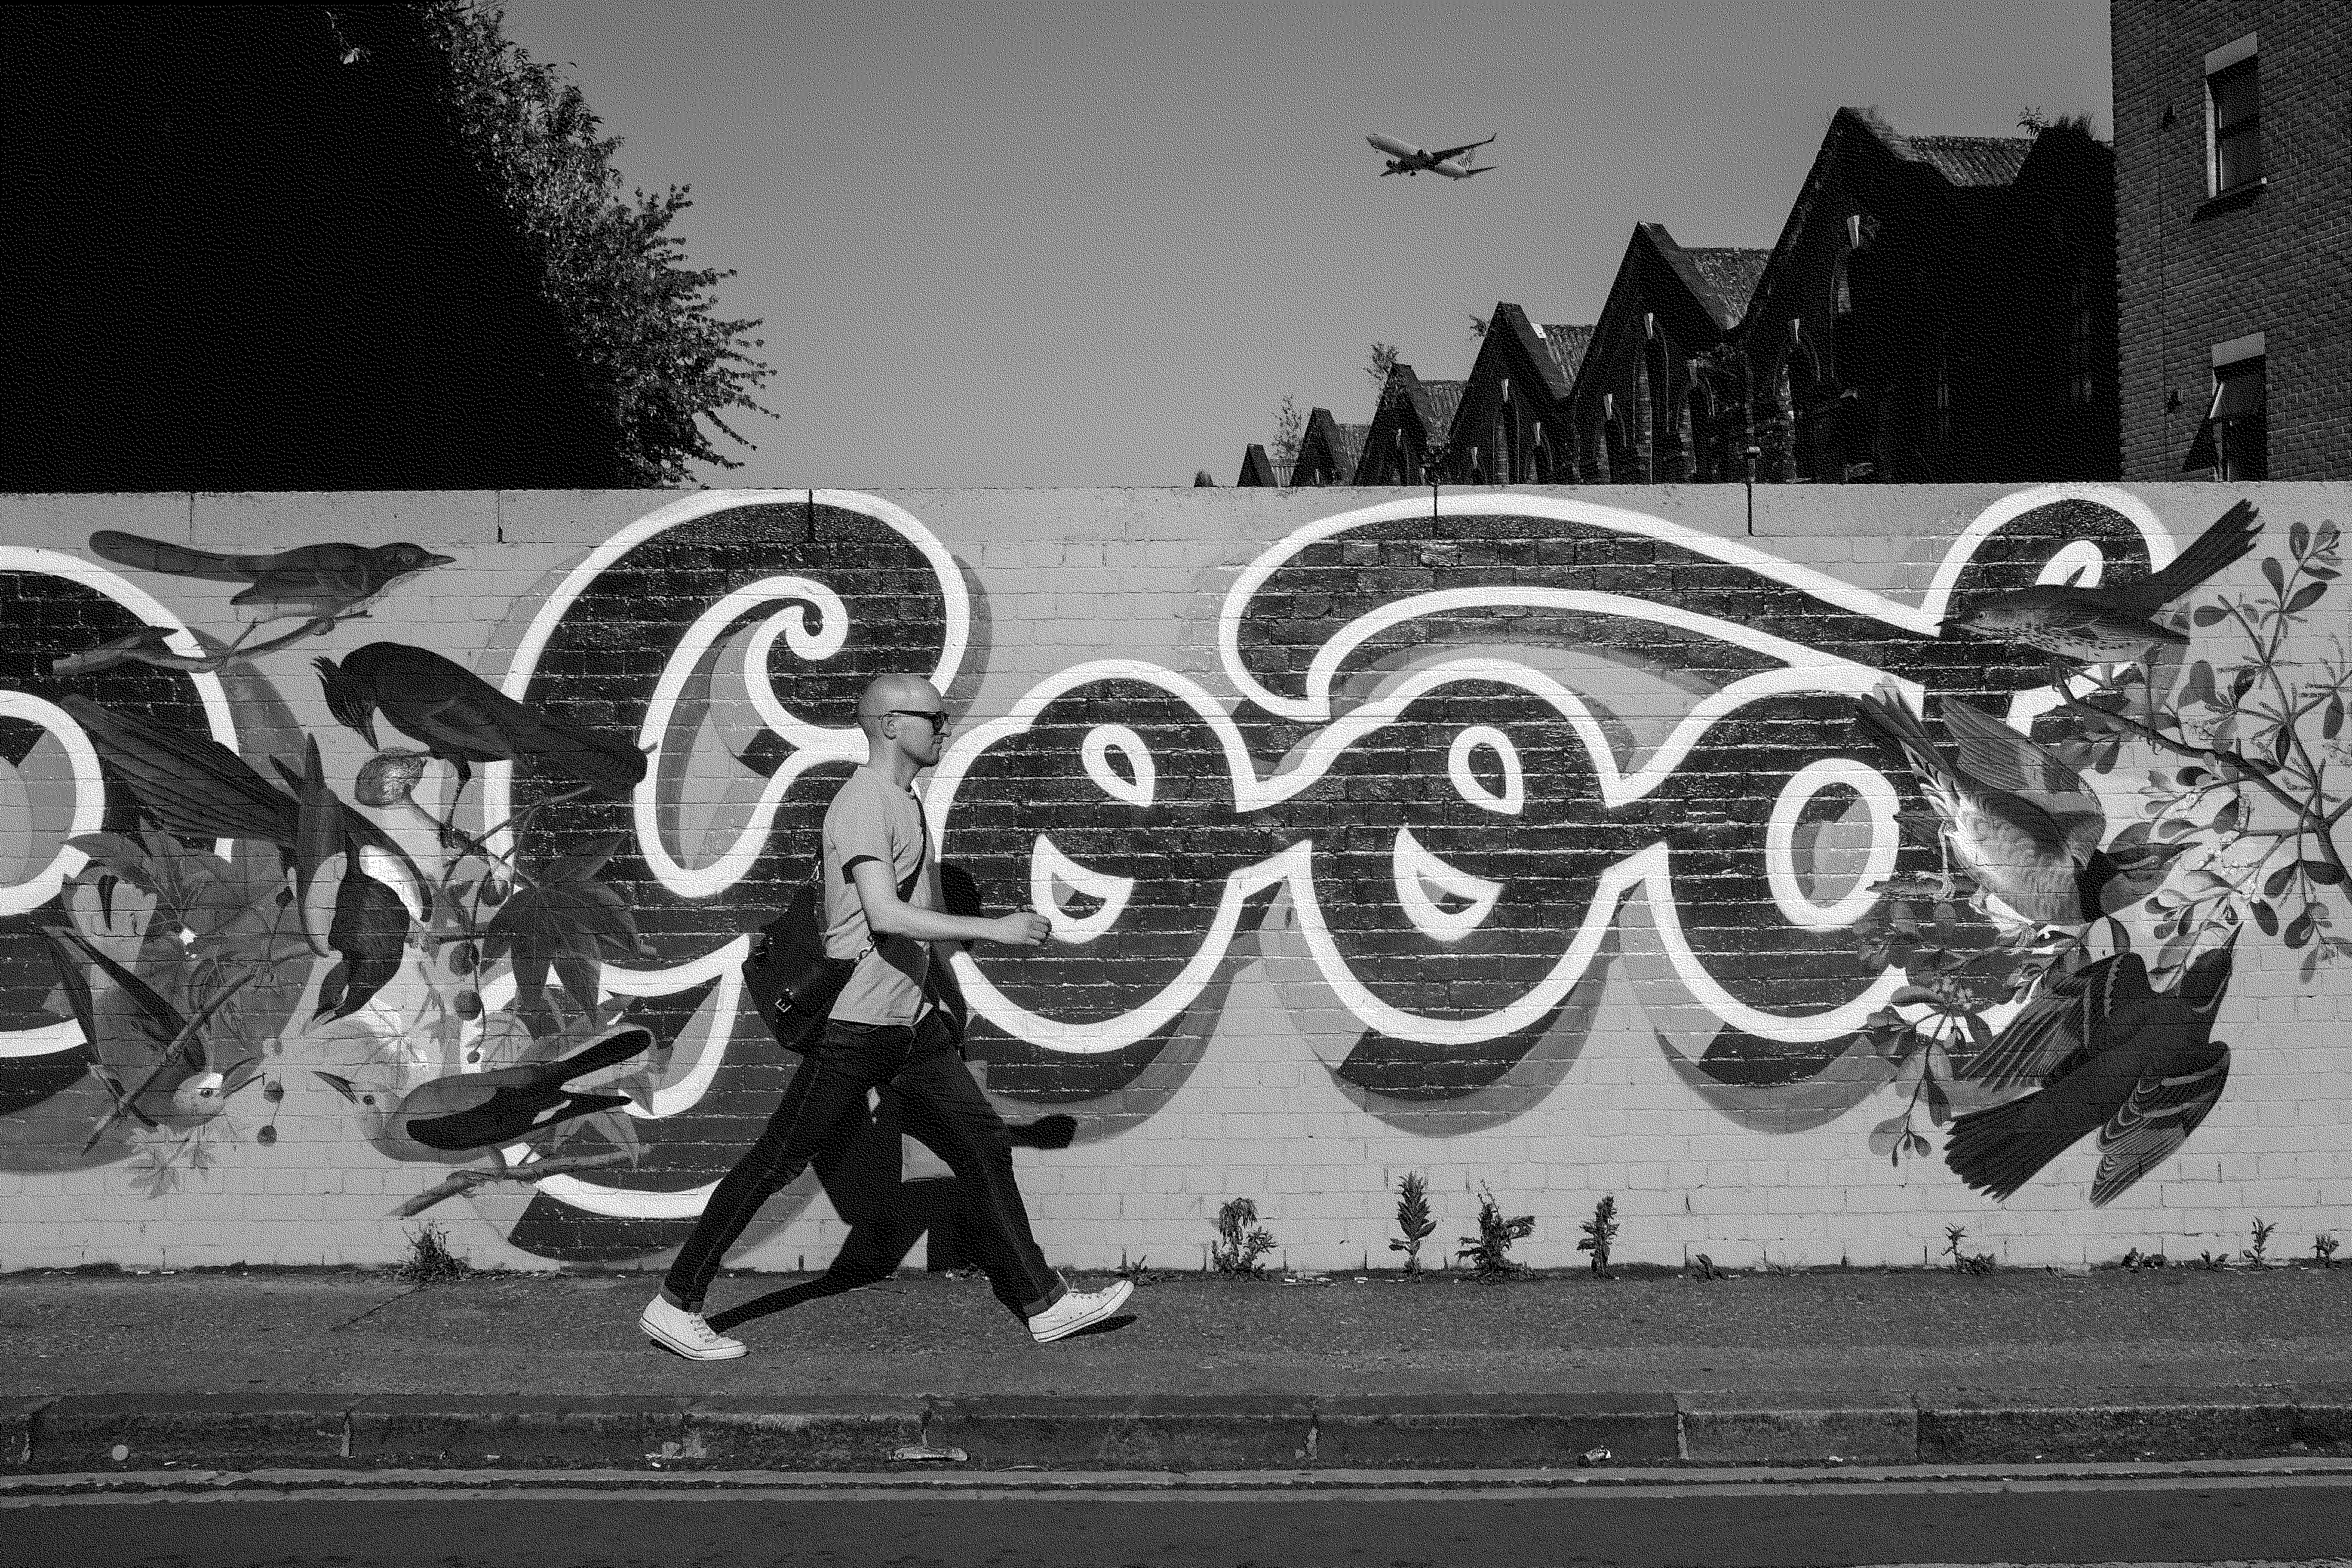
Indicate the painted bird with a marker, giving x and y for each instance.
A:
(2140, 1066)
(463, 719)
(463, 1115)
(2115, 622)
(2019, 821)
(315, 581)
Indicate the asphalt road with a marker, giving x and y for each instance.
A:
(2266, 1520)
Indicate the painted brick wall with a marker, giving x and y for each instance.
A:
(1526, 838)
(2190, 275)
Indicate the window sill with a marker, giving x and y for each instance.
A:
(2230, 199)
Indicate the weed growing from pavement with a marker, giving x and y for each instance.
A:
(1966, 1262)
(2323, 1248)
(1412, 1219)
(1490, 1251)
(429, 1260)
(1599, 1232)
(1241, 1239)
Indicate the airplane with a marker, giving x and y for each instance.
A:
(1449, 161)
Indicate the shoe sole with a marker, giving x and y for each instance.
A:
(656, 1340)
(1124, 1289)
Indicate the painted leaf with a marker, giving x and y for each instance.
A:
(2298, 930)
(2267, 918)
(2275, 573)
(2298, 538)
(2327, 874)
(2305, 597)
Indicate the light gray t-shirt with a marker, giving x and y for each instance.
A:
(873, 819)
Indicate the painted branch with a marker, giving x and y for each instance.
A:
(474, 1176)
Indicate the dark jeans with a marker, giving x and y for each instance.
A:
(826, 1101)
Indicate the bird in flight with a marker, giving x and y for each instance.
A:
(2141, 1066)
(1451, 161)
(2112, 623)
(2019, 821)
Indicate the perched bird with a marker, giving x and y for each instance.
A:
(2019, 821)
(454, 1118)
(2140, 1066)
(463, 719)
(2115, 622)
(315, 581)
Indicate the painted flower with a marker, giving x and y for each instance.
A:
(389, 777)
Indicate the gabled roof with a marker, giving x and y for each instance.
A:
(1723, 278)
(1435, 401)
(1347, 446)
(1565, 346)
(1960, 160)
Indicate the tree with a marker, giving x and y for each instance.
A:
(642, 324)
(1384, 359)
(1289, 430)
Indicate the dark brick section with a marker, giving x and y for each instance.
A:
(1921, 319)
(2275, 259)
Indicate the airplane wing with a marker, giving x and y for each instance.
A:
(1457, 152)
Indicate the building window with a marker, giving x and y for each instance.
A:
(2233, 440)
(2234, 117)
(2081, 358)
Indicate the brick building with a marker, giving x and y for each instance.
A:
(1329, 451)
(1937, 308)
(1512, 426)
(1407, 443)
(2233, 153)
(1639, 413)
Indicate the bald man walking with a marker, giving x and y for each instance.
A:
(889, 1026)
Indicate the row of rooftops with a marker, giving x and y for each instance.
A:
(1719, 281)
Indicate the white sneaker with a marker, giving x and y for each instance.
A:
(685, 1334)
(1078, 1310)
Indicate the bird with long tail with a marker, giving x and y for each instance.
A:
(460, 1116)
(2138, 1066)
(2114, 622)
(2019, 822)
(320, 584)
(464, 720)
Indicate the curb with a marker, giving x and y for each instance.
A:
(121, 1433)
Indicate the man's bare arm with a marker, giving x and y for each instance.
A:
(887, 915)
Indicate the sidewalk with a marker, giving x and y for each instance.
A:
(225, 1371)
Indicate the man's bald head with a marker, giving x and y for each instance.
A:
(884, 693)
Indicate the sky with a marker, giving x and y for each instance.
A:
(1044, 242)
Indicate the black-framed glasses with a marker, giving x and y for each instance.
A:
(940, 722)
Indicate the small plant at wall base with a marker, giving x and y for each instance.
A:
(1600, 1231)
(1412, 1219)
(429, 1260)
(1490, 1251)
(2323, 1247)
(2256, 1255)
(1241, 1239)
